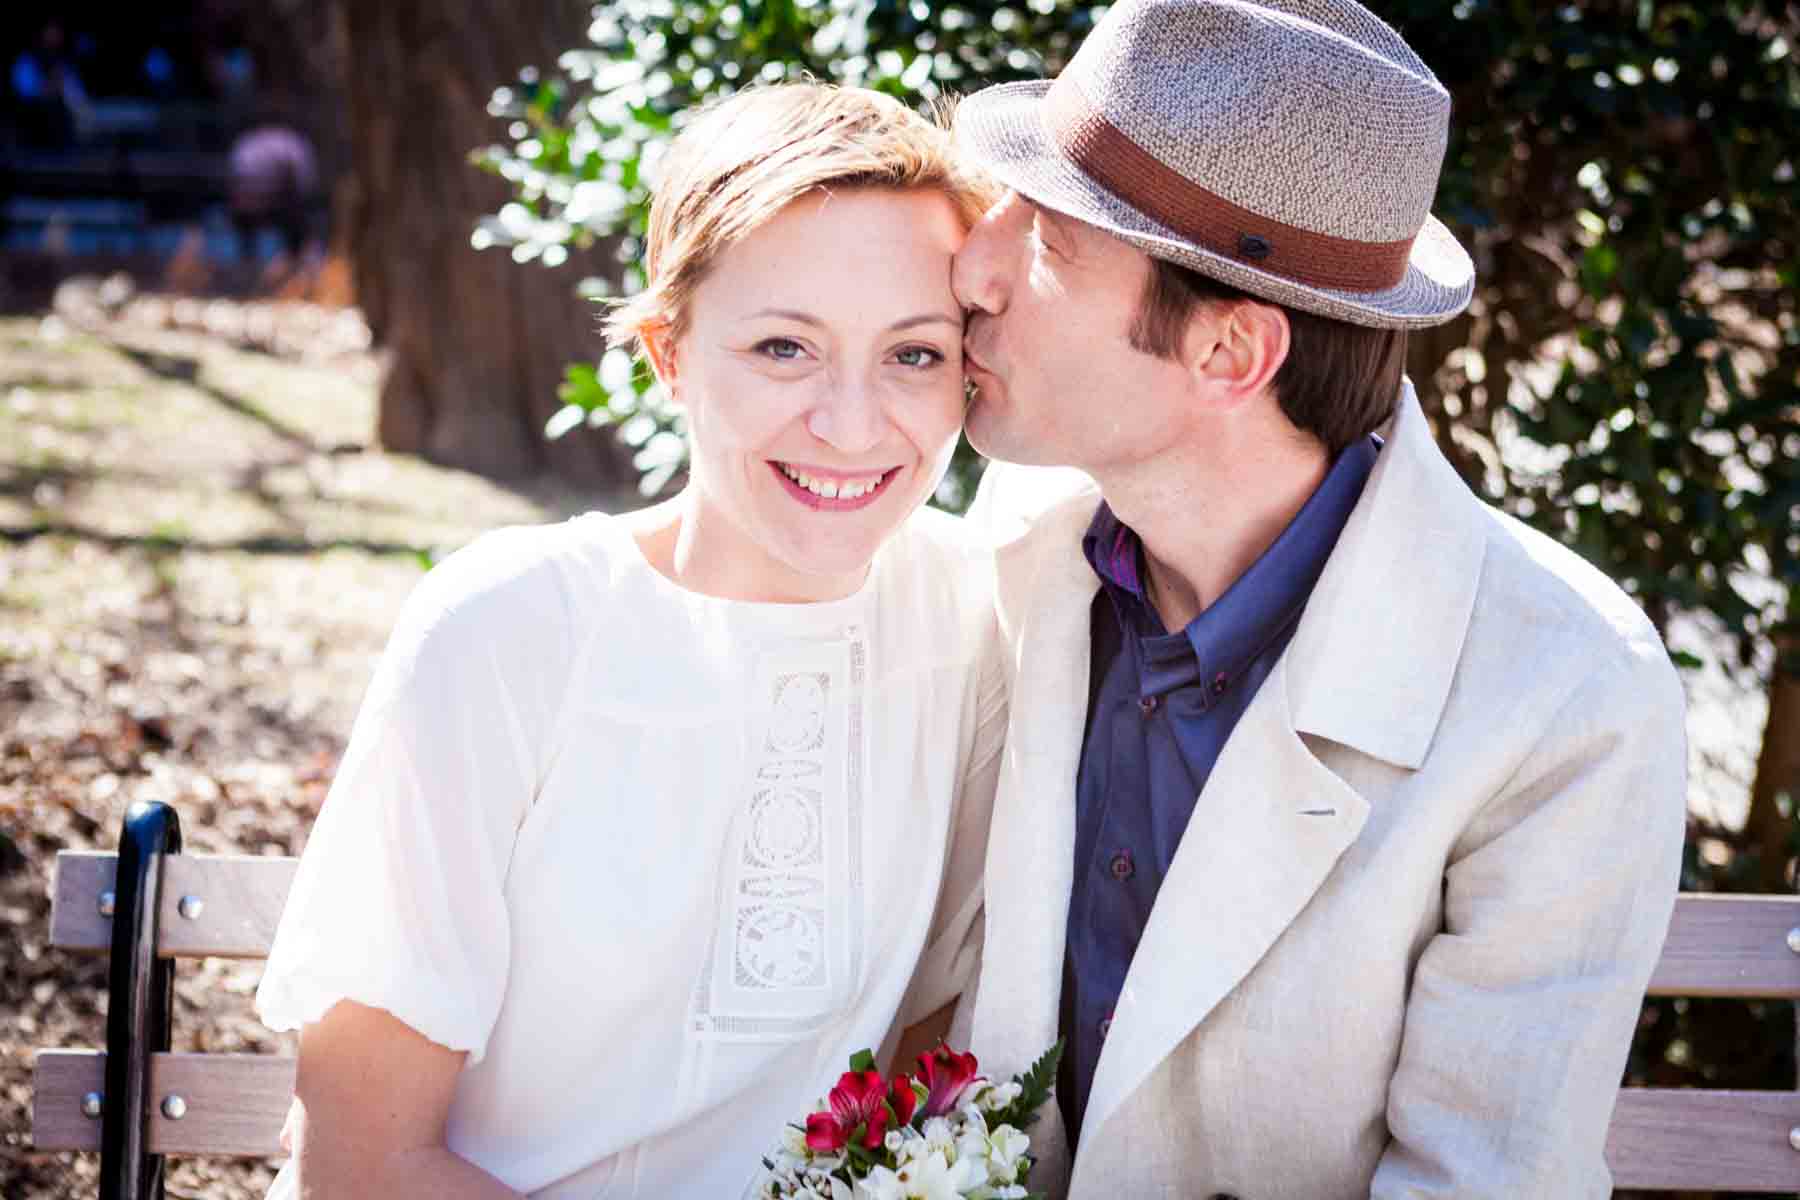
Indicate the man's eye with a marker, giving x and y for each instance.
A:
(918, 356)
(780, 349)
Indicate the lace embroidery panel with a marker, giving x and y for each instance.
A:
(786, 949)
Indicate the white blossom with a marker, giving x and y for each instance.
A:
(1000, 1095)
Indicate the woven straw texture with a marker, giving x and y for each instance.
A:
(1289, 149)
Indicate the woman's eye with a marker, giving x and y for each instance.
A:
(781, 349)
(919, 356)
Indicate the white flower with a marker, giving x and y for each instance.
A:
(1006, 1152)
(1001, 1095)
(933, 1177)
(879, 1184)
(938, 1134)
(914, 1146)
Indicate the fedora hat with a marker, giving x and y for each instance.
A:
(1289, 148)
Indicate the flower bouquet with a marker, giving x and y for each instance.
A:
(945, 1133)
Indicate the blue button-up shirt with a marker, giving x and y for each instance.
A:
(1160, 708)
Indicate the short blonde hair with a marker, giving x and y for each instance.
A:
(746, 157)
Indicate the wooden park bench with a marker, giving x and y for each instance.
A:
(149, 905)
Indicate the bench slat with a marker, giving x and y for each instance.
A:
(242, 897)
(1717, 945)
(1676, 1139)
(236, 1103)
(1730, 946)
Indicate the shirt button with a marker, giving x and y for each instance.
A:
(1219, 684)
(1105, 1025)
(1147, 705)
(1121, 866)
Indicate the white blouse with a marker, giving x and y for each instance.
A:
(660, 862)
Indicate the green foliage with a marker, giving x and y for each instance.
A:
(1035, 1086)
(1627, 379)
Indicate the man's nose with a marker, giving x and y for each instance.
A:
(850, 420)
(978, 274)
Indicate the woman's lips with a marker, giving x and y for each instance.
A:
(815, 501)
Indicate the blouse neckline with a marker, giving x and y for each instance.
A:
(806, 614)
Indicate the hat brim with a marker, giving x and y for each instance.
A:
(1003, 128)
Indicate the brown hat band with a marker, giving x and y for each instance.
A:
(1210, 221)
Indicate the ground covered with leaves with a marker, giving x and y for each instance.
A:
(200, 556)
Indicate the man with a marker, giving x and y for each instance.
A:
(1341, 816)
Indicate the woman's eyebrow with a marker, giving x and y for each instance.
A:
(927, 319)
(785, 314)
(806, 318)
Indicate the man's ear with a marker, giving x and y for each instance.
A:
(659, 348)
(1237, 348)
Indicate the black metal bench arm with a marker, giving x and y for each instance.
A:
(139, 1013)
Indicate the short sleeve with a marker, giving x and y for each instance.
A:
(399, 900)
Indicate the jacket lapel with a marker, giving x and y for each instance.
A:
(1267, 829)
(1044, 589)
(1370, 667)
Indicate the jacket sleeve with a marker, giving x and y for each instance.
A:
(1557, 899)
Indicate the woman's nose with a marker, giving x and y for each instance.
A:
(978, 273)
(850, 420)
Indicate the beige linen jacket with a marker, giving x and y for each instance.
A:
(1401, 948)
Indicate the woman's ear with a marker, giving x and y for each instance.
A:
(659, 348)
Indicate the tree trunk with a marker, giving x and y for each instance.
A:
(1767, 829)
(477, 343)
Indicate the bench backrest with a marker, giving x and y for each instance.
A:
(1661, 1139)
(213, 906)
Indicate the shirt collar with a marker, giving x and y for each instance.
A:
(1228, 636)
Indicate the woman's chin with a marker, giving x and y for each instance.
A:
(830, 544)
(831, 558)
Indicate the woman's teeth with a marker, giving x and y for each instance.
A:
(834, 489)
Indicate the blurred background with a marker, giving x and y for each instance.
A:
(297, 295)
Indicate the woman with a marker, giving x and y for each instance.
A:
(648, 822)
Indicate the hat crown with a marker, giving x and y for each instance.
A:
(1312, 113)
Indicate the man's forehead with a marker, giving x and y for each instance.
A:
(1086, 232)
(1056, 214)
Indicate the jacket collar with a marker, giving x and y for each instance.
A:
(1373, 658)
(1376, 651)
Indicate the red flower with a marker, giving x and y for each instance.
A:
(856, 1104)
(902, 1099)
(824, 1134)
(946, 1076)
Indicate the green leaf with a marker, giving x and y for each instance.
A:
(1035, 1086)
(862, 1060)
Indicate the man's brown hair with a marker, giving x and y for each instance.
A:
(1339, 381)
